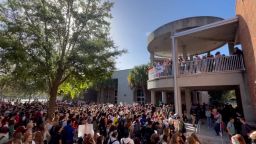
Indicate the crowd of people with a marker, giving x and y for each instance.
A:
(90, 124)
(223, 119)
(28, 123)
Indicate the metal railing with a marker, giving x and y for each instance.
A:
(165, 71)
(209, 65)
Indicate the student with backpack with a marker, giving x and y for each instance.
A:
(126, 139)
(113, 138)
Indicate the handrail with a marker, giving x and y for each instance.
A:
(209, 65)
(160, 72)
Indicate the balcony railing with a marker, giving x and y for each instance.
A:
(160, 72)
(209, 65)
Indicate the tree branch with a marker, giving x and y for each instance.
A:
(65, 78)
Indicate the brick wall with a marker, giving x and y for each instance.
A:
(246, 11)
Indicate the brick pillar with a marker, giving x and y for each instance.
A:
(246, 11)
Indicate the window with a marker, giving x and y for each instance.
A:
(115, 100)
(140, 96)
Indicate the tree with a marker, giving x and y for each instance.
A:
(138, 77)
(222, 96)
(62, 45)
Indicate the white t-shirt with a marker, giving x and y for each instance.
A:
(85, 129)
(127, 141)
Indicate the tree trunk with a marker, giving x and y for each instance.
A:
(52, 102)
(29, 98)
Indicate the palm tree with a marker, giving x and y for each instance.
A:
(138, 77)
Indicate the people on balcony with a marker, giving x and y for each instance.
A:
(217, 62)
(199, 64)
(238, 52)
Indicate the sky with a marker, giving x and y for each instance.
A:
(133, 20)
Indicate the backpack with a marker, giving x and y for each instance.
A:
(111, 142)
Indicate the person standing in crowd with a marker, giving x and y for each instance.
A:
(218, 118)
(126, 138)
(113, 138)
(245, 129)
(193, 139)
(177, 138)
(193, 115)
(208, 115)
(231, 128)
(253, 137)
(237, 139)
(68, 133)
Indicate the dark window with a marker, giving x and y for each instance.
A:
(115, 92)
(140, 96)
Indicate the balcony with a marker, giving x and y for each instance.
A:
(212, 65)
(160, 71)
(223, 64)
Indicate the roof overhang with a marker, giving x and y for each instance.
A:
(204, 38)
(208, 37)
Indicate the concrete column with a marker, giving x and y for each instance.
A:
(152, 57)
(164, 98)
(231, 48)
(153, 97)
(177, 92)
(188, 101)
(177, 102)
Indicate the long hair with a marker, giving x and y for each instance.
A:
(176, 139)
(193, 139)
(238, 138)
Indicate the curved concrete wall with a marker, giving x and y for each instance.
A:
(200, 80)
(182, 24)
(161, 83)
(159, 41)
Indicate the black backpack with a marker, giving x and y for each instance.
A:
(111, 142)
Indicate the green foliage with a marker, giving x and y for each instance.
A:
(228, 95)
(138, 77)
(222, 96)
(61, 45)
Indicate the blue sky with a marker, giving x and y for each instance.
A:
(133, 20)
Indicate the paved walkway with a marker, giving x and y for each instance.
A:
(207, 135)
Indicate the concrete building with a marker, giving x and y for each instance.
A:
(116, 90)
(124, 93)
(178, 72)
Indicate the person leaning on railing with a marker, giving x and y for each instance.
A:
(238, 52)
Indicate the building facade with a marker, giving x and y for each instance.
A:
(116, 90)
(178, 70)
